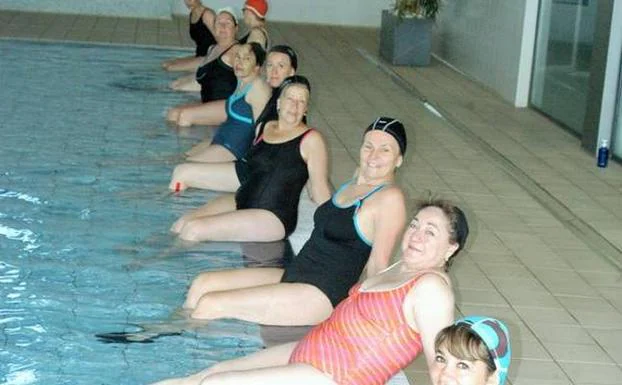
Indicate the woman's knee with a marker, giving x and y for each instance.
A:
(173, 114)
(199, 286)
(185, 118)
(209, 306)
(192, 231)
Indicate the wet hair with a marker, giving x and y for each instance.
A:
(292, 80)
(258, 51)
(461, 342)
(393, 127)
(458, 225)
(289, 51)
(270, 111)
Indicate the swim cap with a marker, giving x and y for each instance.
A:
(294, 79)
(496, 336)
(393, 127)
(230, 11)
(461, 228)
(258, 7)
(289, 51)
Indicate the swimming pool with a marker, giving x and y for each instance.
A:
(85, 160)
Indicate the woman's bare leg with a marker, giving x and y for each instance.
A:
(198, 149)
(214, 153)
(249, 225)
(186, 83)
(211, 114)
(213, 281)
(172, 115)
(274, 356)
(218, 205)
(187, 63)
(280, 304)
(208, 176)
(275, 375)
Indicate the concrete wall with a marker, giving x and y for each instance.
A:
(340, 12)
(484, 39)
(352, 12)
(158, 9)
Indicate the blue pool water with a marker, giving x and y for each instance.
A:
(85, 159)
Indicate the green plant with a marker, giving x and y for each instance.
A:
(424, 9)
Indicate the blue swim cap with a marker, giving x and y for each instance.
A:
(496, 336)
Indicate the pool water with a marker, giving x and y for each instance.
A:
(85, 160)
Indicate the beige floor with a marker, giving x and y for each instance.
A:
(547, 224)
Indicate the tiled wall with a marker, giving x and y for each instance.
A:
(157, 9)
(483, 39)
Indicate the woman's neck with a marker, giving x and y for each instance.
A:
(246, 80)
(362, 180)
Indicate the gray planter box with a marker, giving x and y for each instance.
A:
(407, 41)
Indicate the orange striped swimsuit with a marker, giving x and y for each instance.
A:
(365, 341)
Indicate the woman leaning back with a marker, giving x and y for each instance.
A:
(264, 208)
(354, 231)
(281, 62)
(214, 78)
(234, 136)
(201, 30)
(384, 323)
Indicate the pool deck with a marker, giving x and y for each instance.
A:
(545, 254)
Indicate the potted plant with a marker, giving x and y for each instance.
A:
(406, 32)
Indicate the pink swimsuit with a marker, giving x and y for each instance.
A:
(365, 341)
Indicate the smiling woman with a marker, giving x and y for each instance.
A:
(385, 322)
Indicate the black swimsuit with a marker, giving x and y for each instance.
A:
(217, 79)
(336, 253)
(244, 39)
(201, 35)
(272, 177)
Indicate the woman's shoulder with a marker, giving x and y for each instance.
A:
(388, 195)
(208, 15)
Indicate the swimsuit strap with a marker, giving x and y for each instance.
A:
(355, 215)
(369, 193)
(234, 98)
(259, 137)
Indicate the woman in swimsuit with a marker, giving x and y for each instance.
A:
(214, 78)
(234, 136)
(201, 29)
(254, 16)
(354, 231)
(268, 183)
(281, 63)
(383, 325)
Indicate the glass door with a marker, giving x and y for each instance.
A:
(563, 59)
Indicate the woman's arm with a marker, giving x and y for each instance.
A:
(314, 152)
(430, 306)
(208, 19)
(258, 97)
(257, 35)
(389, 217)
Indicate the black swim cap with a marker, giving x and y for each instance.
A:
(393, 127)
(294, 79)
(289, 51)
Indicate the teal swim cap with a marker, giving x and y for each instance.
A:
(496, 336)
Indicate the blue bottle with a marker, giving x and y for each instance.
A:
(603, 153)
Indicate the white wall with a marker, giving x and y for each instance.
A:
(158, 9)
(484, 39)
(341, 12)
